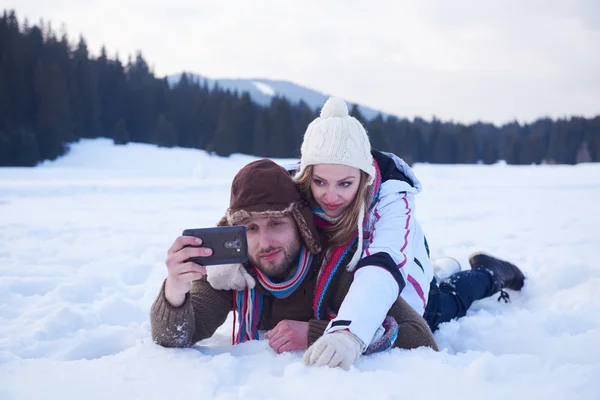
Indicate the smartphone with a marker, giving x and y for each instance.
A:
(228, 243)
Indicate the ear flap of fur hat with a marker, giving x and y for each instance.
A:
(223, 221)
(305, 220)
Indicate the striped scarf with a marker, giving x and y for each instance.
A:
(325, 277)
(248, 303)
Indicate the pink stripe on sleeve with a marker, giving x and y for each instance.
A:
(372, 234)
(418, 289)
(408, 211)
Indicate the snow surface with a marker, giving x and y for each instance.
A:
(82, 247)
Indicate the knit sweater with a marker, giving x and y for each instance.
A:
(205, 309)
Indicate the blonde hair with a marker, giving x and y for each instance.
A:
(346, 227)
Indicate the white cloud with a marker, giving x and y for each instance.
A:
(461, 60)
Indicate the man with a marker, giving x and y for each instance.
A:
(281, 289)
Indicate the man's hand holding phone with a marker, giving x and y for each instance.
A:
(182, 273)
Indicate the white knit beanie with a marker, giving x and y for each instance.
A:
(337, 138)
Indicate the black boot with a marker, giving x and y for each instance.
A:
(504, 274)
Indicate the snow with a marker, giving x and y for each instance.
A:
(264, 88)
(82, 247)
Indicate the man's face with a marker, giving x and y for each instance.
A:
(273, 245)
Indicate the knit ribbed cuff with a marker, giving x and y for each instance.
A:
(316, 328)
(163, 297)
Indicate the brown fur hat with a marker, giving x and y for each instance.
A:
(264, 189)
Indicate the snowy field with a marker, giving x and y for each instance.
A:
(82, 247)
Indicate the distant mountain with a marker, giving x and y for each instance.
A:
(263, 90)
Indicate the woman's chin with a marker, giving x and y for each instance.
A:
(333, 213)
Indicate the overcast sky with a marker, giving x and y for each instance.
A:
(490, 60)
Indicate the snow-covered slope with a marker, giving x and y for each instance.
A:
(82, 247)
(263, 90)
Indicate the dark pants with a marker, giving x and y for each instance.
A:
(453, 297)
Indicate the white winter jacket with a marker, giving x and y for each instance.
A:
(393, 228)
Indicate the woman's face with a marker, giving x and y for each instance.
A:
(334, 186)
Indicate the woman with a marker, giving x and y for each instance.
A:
(364, 197)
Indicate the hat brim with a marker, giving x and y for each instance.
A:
(240, 217)
(301, 213)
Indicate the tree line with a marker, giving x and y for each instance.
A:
(53, 92)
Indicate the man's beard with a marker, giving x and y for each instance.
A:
(279, 270)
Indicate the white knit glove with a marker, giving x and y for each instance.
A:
(229, 277)
(338, 349)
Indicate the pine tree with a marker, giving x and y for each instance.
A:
(183, 109)
(244, 119)
(418, 144)
(54, 125)
(142, 101)
(565, 140)
(6, 150)
(210, 111)
(5, 115)
(511, 148)
(510, 141)
(432, 133)
(355, 112)
(33, 48)
(226, 141)
(11, 64)
(376, 134)
(262, 131)
(166, 135)
(408, 144)
(25, 148)
(575, 137)
(592, 137)
(490, 151)
(120, 133)
(112, 92)
(466, 145)
(85, 99)
(446, 148)
(302, 116)
(534, 146)
(583, 154)
(281, 140)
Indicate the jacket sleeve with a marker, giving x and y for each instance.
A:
(316, 329)
(413, 331)
(204, 310)
(389, 248)
(390, 244)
